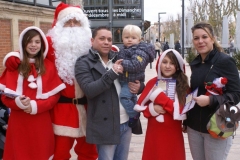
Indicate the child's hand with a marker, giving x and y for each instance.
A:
(28, 110)
(25, 100)
(159, 109)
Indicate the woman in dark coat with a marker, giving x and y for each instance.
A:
(211, 63)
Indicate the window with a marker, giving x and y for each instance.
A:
(129, 12)
(117, 35)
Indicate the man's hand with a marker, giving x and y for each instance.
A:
(134, 86)
(117, 67)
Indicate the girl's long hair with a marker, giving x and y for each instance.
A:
(25, 67)
(182, 85)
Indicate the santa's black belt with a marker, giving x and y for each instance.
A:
(64, 99)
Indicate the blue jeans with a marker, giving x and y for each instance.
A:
(119, 151)
(204, 147)
(128, 99)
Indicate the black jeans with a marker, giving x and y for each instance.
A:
(157, 51)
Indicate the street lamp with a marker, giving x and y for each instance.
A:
(159, 34)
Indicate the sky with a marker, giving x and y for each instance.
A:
(171, 7)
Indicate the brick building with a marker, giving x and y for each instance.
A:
(14, 17)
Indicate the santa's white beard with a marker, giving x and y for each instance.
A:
(69, 43)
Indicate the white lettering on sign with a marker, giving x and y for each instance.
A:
(103, 13)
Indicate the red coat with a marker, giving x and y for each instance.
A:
(30, 136)
(68, 119)
(164, 139)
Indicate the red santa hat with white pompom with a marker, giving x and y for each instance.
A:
(64, 10)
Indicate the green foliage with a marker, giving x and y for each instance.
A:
(190, 55)
(236, 56)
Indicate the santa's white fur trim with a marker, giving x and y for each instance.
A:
(42, 35)
(151, 110)
(81, 110)
(19, 103)
(155, 93)
(66, 131)
(69, 10)
(160, 118)
(139, 108)
(34, 106)
(10, 54)
(179, 58)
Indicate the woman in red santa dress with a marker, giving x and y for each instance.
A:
(35, 88)
(162, 104)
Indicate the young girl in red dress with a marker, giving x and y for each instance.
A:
(34, 88)
(162, 104)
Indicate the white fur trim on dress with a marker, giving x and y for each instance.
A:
(2, 87)
(155, 93)
(176, 112)
(50, 158)
(10, 54)
(34, 106)
(152, 111)
(160, 118)
(139, 108)
(19, 103)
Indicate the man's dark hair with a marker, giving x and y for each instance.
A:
(94, 32)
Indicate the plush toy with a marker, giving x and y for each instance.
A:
(216, 87)
(231, 114)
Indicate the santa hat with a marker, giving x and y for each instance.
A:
(64, 10)
(115, 48)
(220, 82)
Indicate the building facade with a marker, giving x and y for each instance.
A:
(115, 14)
(15, 15)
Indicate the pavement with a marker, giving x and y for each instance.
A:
(137, 142)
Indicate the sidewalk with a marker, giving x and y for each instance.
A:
(136, 146)
(137, 142)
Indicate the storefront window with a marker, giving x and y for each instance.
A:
(96, 12)
(126, 1)
(95, 2)
(129, 12)
(117, 35)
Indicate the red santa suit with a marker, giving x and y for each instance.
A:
(30, 136)
(164, 139)
(69, 115)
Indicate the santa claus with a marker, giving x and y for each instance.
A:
(69, 38)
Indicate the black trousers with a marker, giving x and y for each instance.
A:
(157, 52)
